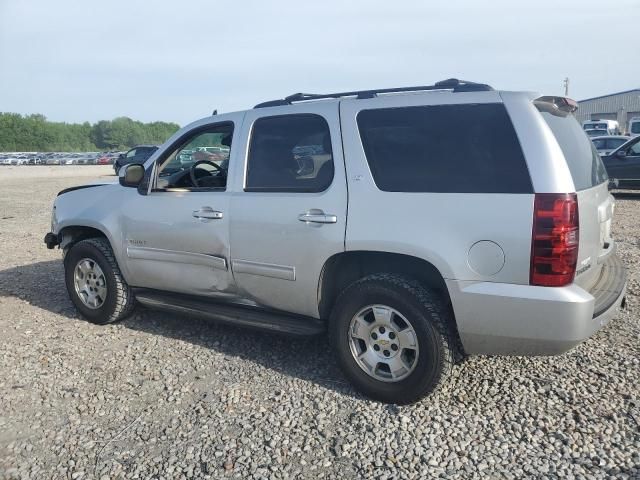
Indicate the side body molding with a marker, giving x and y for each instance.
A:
(162, 255)
(282, 272)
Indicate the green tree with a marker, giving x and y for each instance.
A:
(35, 133)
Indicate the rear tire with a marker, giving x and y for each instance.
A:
(404, 371)
(95, 284)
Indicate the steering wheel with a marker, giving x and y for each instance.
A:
(192, 170)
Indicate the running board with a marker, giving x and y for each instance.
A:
(232, 314)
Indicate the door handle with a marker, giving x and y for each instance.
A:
(207, 213)
(317, 216)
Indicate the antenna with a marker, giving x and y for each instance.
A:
(215, 112)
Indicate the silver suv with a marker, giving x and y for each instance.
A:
(414, 226)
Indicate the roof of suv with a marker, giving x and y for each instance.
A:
(452, 84)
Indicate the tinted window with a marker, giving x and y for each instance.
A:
(635, 127)
(290, 153)
(600, 143)
(444, 148)
(145, 152)
(581, 155)
(615, 142)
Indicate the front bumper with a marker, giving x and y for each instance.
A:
(507, 319)
(51, 239)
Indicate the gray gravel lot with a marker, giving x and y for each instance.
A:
(165, 396)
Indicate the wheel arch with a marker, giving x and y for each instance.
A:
(72, 234)
(344, 268)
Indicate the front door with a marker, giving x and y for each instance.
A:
(288, 215)
(626, 167)
(176, 238)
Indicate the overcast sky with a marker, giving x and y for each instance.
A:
(77, 60)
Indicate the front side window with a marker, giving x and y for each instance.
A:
(444, 148)
(199, 160)
(614, 143)
(131, 153)
(290, 153)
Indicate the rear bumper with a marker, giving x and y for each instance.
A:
(507, 319)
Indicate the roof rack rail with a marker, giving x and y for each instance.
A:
(452, 84)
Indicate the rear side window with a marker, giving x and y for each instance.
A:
(290, 153)
(444, 148)
(581, 155)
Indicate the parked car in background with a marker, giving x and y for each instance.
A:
(608, 143)
(106, 159)
(211, 154)
(623, 165)
(12, 159)
(608, 127)
(186, 157)
(596, 133)
(634, 126)
(138, 154)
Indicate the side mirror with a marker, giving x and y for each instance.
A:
(131, 175)
(621, 154)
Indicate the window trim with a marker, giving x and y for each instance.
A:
(182, 141)
(285, 189)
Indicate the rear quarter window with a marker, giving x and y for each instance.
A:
(469, 148)
(581, 155)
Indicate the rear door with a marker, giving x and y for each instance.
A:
(595, 204)
(289, 210)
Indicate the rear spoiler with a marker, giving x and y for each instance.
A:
(561, 106)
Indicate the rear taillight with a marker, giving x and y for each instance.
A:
(554, 244)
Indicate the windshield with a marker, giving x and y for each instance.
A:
(595, 133)
(601, 126)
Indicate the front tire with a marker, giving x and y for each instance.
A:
(393, 338)
(95, 284)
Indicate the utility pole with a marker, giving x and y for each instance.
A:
(565, 82)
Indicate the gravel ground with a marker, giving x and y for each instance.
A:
(164, 396)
